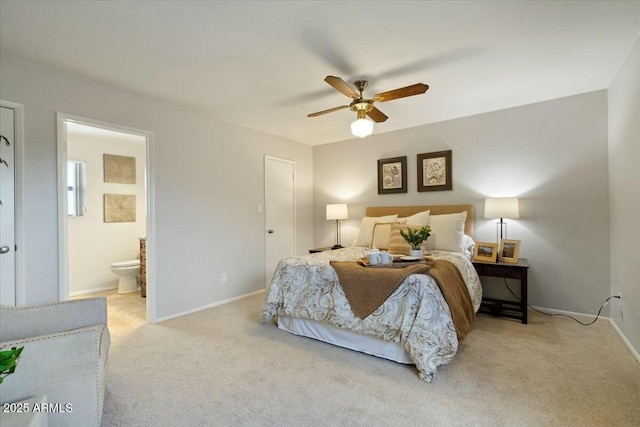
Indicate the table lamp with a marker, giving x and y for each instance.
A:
(501, 207)
(337, 212)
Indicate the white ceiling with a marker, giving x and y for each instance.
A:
(261, 64)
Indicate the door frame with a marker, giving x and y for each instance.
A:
(63, 219)
(295, 217)
(18, 179)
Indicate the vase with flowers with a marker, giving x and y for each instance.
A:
(415, 237)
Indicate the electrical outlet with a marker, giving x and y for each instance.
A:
(223, 278)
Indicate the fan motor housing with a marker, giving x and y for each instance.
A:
(361, 104)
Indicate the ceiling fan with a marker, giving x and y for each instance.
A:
(364, 107)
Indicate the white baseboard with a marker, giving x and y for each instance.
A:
(626, 342)
(570, 313)
(94, 290)
(215, 304)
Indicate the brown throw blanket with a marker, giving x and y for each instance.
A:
(368, 288)
(455, 292)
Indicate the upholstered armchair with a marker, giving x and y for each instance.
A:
(66, 345)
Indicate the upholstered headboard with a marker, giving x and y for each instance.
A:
(403, 211)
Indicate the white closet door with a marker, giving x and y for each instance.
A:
(280, 218)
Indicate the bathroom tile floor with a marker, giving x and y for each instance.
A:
(125, 312)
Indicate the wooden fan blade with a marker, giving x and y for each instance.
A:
(341, 86)
(377, 115)
(415, 89)
(330, 110)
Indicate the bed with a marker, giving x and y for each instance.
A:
(414, 325)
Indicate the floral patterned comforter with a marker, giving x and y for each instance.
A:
(415, 315)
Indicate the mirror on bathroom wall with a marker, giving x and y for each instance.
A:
(76, 188)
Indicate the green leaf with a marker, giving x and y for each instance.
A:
(415, 237)
(9, 361)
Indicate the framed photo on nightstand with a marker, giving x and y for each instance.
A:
(509, 251)
(485, 252)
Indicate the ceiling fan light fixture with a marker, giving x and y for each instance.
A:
(364, 107)
(362, 126)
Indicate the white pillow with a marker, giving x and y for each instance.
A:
(419, 219)
(447, 232)
(468, 244)
(366, 228)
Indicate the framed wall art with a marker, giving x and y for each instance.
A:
(392, 175)
(434, 171)
(485, 252)
(509, 251)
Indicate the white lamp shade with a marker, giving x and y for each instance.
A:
(502, 207)
(337, 211)
(362, 127)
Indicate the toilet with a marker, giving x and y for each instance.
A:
(128, 272)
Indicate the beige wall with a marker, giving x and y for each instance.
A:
(624, 172)
(208, 183)
(94, 244)
(553, 155)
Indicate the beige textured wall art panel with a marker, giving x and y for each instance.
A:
(119, 208)
(119, 169)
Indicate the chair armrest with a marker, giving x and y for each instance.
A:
(44, 319)
(69, 367)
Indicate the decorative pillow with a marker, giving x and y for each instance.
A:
(447, 232)
(381, 235)
(397, 244)
(419, 219)
(365, 235)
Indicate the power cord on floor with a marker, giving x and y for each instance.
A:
(563, 315)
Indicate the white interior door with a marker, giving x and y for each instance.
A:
(7, 209)
(279, 209)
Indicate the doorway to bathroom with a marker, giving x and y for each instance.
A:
(105, 208)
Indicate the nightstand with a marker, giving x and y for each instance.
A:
(316, 250)
(505, 308)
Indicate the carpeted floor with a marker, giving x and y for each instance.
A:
(219, 367)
